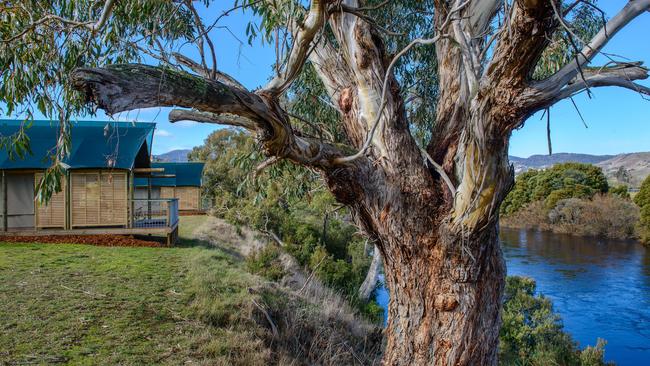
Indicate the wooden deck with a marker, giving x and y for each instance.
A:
(171, 232)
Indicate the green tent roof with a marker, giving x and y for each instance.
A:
(94, 144)
(185, 175)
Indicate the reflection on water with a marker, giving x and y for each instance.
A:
(601, 288)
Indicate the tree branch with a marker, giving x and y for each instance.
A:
(387, 77)
(119, 88)
(622, 75)
(303, 38)
(123, 87)
(178, 115)
(219, 76)
(528, 33)
(629, 12)
(481, 13)
(91, 26)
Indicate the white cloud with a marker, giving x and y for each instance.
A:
(163, 133)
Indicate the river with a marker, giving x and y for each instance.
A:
(601, 288)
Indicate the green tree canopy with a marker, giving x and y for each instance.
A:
(561, 181)
(642, 199)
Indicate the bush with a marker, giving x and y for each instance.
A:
(608, 216)
(559, 182)
(604, 215)
(531, 216)
(289, 202)
(621, 191)
(643, 200)
(644, 225)
(532, 333)
(266, 263)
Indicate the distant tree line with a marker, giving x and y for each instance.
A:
(572, 198)
(642, 199)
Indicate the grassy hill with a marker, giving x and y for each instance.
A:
(174, 156)
(543, 161)
(636, 166)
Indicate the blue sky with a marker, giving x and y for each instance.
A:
(618, 119)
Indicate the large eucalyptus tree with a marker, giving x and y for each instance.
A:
(425, 186)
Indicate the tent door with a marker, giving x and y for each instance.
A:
(20, 201)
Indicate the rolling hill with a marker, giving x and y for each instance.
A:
(629, 169)
(174, 156)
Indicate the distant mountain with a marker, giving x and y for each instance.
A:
(629, 169)
(174, 156)
(544, 161)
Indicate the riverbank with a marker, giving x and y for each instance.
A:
(603, 216)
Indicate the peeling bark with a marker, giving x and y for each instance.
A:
(370, 282)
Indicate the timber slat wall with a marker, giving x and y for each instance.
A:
(99, 198)
(188, 197)
(52, 214)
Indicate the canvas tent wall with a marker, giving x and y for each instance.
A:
(178, 180)
(53, 213)
(99, 198)
(98, 170)
(20, 200)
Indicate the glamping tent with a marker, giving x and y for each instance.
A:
(97, 189)
(173, 180)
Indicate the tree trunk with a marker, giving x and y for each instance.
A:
(445, 304)
(370, 282)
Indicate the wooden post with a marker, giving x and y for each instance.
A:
(68, 201)
(169, 213)
(4, 202)
(149, 197)
(35, 203)
(131, 189)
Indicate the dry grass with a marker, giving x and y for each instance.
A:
(315, 325)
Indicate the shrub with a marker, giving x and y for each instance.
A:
(644, 225)
(559, 182)
(532, 333)
(287, 201)
(643, 200)
(266, 263)
(604, 215)
(621, 191)
(608, 216)
(531, 216)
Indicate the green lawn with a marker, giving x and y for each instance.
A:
(87, 305)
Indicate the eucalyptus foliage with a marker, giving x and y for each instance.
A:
(38, 51)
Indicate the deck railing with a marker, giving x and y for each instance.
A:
(154, 213)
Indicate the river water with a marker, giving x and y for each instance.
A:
(601, 288)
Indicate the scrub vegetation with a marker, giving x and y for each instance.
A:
(642, 199)
(291, 208)
(532, 332)
(571, 198)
